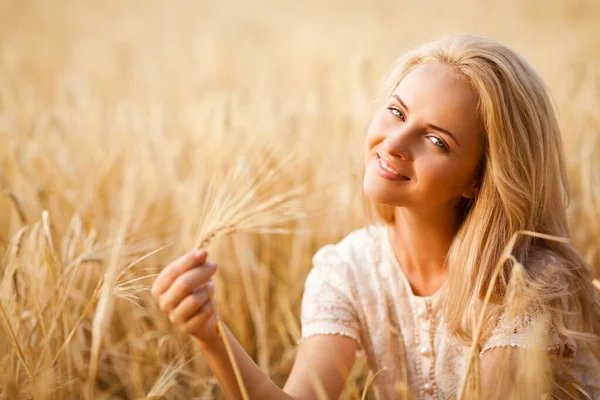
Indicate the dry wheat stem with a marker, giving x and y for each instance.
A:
(223, 333)
(80, 320)
(370, 378)
(12, 263)
(48, 233)
(256, 313)
(105, 299)
(142, 258)
(59, 309)
(18, 242)
(15, 344)
(234, 222)
(566, 391)
(580, 390)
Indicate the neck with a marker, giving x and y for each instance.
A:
(421, 240)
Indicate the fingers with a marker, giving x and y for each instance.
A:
(168, 275)
(183, 291)
(194, 303)
(185, 285)
(204, 322)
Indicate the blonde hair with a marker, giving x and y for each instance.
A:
(523, 187)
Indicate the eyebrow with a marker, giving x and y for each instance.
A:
(437, 128)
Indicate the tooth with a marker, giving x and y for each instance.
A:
(388, 168)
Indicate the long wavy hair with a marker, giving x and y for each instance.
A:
(523, 186)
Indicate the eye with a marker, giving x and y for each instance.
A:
(439, 143)
(396, 112)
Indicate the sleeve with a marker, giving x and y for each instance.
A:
(531, 329)
(328, 307)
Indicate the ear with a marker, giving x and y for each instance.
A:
(472, 190)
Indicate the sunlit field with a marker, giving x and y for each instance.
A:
(132, 130)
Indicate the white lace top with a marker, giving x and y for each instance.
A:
(356, 288)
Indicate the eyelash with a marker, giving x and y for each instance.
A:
(444, 148)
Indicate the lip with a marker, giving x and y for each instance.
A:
(382, 171)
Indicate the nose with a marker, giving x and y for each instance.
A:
(400, 141)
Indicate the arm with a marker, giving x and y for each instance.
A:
(521, 357)
(323, 362)
(327, 359)
(183, 290)
(498, 368)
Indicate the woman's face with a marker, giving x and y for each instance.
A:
(423, 146)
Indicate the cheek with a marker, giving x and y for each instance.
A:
(374, 133)
(442, 176)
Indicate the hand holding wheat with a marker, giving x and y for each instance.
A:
(240, 200)
(184, 291)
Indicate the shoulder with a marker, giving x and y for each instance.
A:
(346, 264)
(331, 304)
(354, 250)
(534, 328)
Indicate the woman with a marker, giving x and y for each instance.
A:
(464, 153)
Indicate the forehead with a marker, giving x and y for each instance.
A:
(440, 96)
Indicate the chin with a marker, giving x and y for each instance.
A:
(378, 194)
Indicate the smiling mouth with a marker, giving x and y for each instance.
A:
(391, 172)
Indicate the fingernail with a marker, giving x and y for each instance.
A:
(198, 253)
(211, 265)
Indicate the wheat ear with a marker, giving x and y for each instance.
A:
(244, 209)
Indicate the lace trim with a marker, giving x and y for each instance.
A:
(553, 347)
(340, 333)
(534, 316)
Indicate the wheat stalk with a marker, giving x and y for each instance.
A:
(15, 343)
(105, 301)
(226, 213)
(370, 378)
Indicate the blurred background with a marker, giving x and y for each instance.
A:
(115, 116)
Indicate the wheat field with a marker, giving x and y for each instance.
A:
(127, 127)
